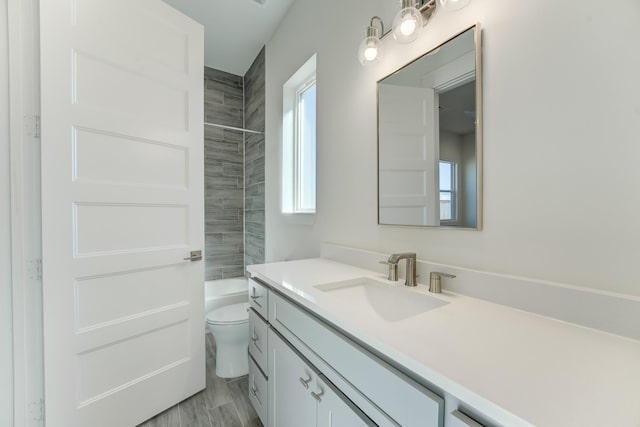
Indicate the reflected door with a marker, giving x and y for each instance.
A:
(122, 199)
(408, 162)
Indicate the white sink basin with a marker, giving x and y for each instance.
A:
(391, 302)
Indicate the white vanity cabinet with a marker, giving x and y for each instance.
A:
(301, 396)
(258, 348)
(385, 395)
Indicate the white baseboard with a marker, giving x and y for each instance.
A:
(606, 311)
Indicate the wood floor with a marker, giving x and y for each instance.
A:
(224, 403)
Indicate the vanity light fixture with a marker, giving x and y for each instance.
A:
(370, 50)
(453, 4)
(407, 26)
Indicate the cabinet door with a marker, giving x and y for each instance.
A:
(335, 410)
(258, 340)
(290, 381)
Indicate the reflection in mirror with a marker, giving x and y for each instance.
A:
(429, 139)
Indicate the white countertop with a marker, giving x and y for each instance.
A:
(515, 367)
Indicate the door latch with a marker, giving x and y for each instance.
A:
(195, 256)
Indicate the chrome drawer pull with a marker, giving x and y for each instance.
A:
(254, 339)
(316, 396)
(254, 391)
(304, 382)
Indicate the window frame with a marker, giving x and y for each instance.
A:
(453, 192)
(290, 167)
(309, 82)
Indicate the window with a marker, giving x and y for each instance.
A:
(299, 141)
(448, 185)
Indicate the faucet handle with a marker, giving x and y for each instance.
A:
(393, 270)
(435, 282)
(439, 274)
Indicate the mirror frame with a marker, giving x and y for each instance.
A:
(479, 131)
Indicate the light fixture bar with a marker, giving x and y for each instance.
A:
(427, 8)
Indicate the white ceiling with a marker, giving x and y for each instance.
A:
(234, 30)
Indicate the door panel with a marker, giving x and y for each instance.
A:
(334, 409)
(290, 404)
(408, 167)
(122, 194)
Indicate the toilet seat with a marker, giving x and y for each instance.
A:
(229, 314)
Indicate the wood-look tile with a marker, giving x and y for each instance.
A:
(168, 418)
(225, 416)
(240, 392)
(194, 411)
(212, 272)
(255, 190)
(255, 229)
(233, 271)
(225, 260)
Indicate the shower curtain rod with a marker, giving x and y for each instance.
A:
(234, 128)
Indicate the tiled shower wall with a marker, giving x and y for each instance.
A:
(234, 182)
(224, 175)
(254, 161)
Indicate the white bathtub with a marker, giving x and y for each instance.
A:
(218, 293)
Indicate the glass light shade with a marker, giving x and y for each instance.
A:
(370, 51)
(453, 4)
(407, 25)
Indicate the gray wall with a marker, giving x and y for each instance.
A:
(223, 170)
(254, 161)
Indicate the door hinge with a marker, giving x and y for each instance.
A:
(34, 269)
(36, 411)
(32, 126)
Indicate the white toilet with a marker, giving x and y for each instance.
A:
(229, 325)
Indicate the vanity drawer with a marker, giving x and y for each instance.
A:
(258, 339)
(258, 391)
(403, 399)
(259, 298)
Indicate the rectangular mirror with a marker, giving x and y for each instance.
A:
(430, 138)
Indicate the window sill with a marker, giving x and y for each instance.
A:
(300, 218)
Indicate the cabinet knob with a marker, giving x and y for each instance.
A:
(255, 339)
(305, 383)
(317, 396)
(254, 391)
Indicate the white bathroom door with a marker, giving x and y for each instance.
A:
(408, 156)
(122, 201)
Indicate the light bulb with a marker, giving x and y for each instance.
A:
(370, 53)
(370, 50)
(407, 24)
(407, 27)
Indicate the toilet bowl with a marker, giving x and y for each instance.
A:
(229, 326)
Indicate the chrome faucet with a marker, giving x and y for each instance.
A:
(435, 281)
(411, 266)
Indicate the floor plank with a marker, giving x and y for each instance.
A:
(225, 416)
(194, 412)
(240, 392)
(225, 402)
(169, 418)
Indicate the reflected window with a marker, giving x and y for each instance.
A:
(448, 184)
